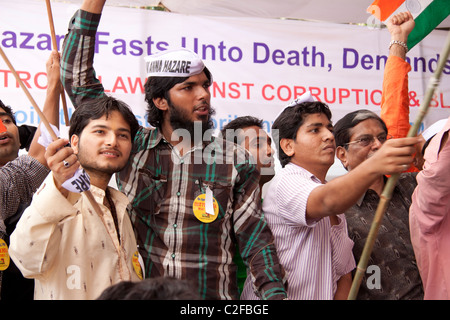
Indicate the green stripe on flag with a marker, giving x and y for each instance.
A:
(429, 19)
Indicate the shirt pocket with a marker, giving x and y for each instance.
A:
(150, 193)
(222, 193)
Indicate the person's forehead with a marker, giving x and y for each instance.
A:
(316, 119)
(197, 78)
(369, 126)
(114, 117)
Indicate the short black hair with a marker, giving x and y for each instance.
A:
(350, 120)
(97, 108)
(290, 120)
(8, 111)
(239, 123)
(160, 288)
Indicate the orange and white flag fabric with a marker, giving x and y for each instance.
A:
(428, 14)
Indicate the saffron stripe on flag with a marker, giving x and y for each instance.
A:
(383, 9)
(428, 14)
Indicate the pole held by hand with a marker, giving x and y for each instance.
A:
(386, 195)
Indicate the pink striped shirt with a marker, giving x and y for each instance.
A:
(314, 254)
(429, 219)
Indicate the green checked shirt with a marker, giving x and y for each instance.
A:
(167, 192)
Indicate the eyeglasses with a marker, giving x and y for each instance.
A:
(369, 140)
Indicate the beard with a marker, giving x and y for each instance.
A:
(93, 167)
(180, 120)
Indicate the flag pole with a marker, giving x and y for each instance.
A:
(55, 47)
(52, 133)
(392, 181)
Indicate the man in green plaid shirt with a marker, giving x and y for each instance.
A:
(195, 198)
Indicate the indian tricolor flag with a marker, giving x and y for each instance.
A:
(428, 14)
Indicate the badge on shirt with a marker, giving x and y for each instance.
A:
(137, 265)
(4, 255)
(205, 207)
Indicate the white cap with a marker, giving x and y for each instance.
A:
(433, 129)
(306, 97)
(174, 63)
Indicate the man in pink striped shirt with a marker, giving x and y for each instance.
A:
(305, 213)
(430, 220)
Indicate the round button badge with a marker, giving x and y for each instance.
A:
(4, 255)
(199, 208)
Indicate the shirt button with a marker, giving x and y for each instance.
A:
(181, 161)
(173, 255)
(178, 193)
(174, 225)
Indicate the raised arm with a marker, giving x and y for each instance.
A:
(395, 98)
(79, 79)
(51, 105)
(20, 178)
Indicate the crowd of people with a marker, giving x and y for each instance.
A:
(198, 215)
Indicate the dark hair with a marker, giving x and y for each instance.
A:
(343, 127)
(290, 120)
(97, 108)
(239, 123)
(8, 111)
(161, 288)
(158, 87)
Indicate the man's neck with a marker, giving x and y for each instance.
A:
(320, 172)
(100, 181)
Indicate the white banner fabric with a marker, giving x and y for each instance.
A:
(258, 65)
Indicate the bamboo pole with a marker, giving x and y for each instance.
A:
(27, 93)
(44, 120)
(55, 47)
(392, 181)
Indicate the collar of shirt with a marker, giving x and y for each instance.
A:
(155, 138)
(305, 172)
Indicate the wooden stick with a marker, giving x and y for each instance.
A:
(88, 193)
(392, 181)
(27, 93)
(55, 47)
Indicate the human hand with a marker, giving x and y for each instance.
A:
(53, 71)
(62, 161)
(400, 26)
(394, 156)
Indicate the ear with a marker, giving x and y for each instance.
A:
(161, 103)
(341, 154)
(74, 140)
(287, 145)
